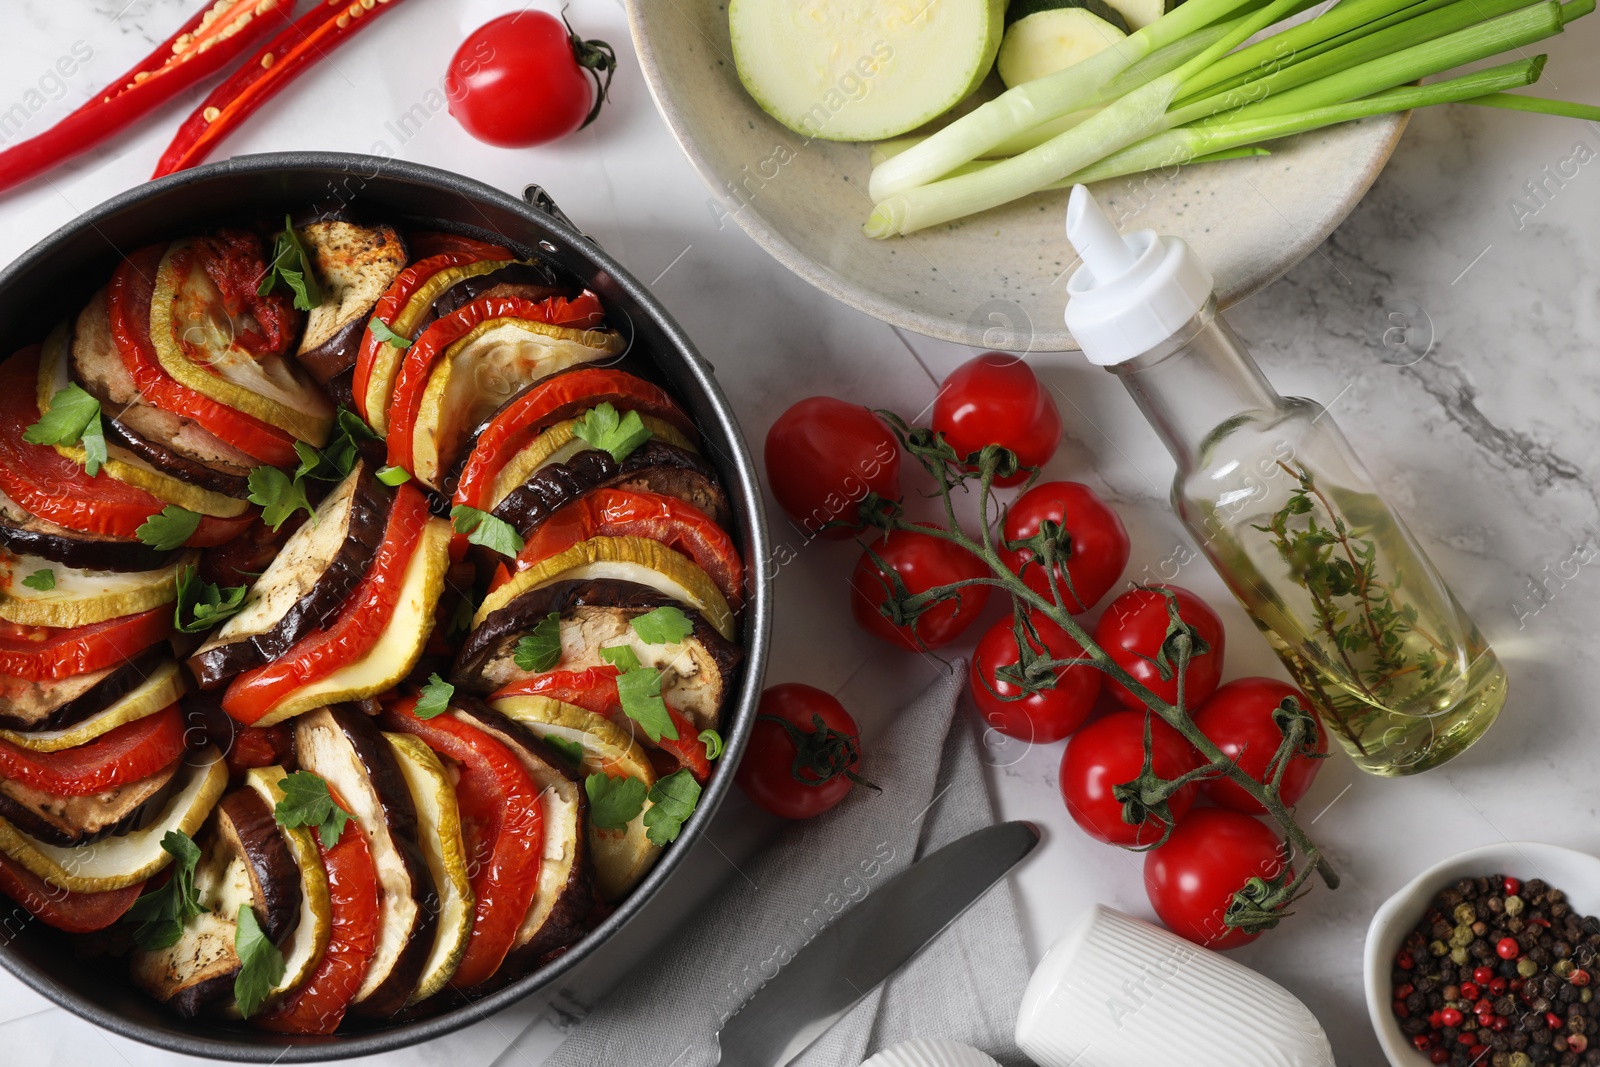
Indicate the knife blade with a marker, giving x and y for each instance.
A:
(867, 944)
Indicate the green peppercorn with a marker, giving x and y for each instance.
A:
(1438, 948)
(1527, 968)
(1520, 1059)
(1465, 913)
(1514, 906)
(1461, 937)
(1562, 968)
(1459, 955)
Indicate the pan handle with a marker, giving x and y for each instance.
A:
(536, 196)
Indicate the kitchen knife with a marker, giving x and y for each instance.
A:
(867, 944)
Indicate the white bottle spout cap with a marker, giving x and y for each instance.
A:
(1132, 293)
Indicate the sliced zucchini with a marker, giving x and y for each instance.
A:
(439, 827)
(493, 362)
(355, 265)
(193, 336)
(32, 707)
(559, 444)
(303, 948)
(1141, 13)
(78, 597)
(161, 689)
(118, 862)
(862, 70)
(27, 534)
(77, 820)
(1055, 38)
(401, 644)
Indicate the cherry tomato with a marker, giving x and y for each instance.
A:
(794, 767)
(1098, 541)
(1238, 720)
(996, 399)
(1209, 857)
(1133, 630)
(822, 456)
(922, 561)
(526, 79)
(1047, 715)
(1110, 752)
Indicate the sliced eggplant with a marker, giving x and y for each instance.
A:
(78, 597)
(654, 466)
(246, 827)
(28, 535)
(308, 939)
(348, 751)
(54, 705)
(118, 862)
(355, 264)
(72, 821)
(565, 895)
(401, 644)
(306, 584)
(530, 280)
(560, 443)
(594, 615)
(199, 968)
(147, 695)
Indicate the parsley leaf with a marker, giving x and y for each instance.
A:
(279, 495)
(435, 699)
(261, 964)
(622, 657)
(614, 802)
(74, 416)
(484, 529)
(162, 912)
(540, 650)
(169, 529)
(43, 580)
(292, 266)
(461, 619)
(381, 331)
(713, 742)
(672, 800)
(307, 802)
(639, 692)
(604, 429)
(393, 476)
(201, 605)
(570, 751)
(664, 626)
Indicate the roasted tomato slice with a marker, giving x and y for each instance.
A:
(132, 286)
(47, 484)
(557, 397)
(46, 653)
(318, 1005)
(502, 824)
(361, 621)
(608, 512)
(76, 913)
(126, 754)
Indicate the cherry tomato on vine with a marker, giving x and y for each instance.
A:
(796, 767)
(1210, 856)
(823, 455)
(997, 399)
(1134, 630)
(923, 562)
(1238, 719)
(1110, 752)
(1044, 716)
(1098, 542)
(525, 79)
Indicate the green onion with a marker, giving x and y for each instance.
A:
(1538, 106)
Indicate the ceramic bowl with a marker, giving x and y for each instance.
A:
(1575, 873)
(995, 280)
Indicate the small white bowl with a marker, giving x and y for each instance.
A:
(1575, 873)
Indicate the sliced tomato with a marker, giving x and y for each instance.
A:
(50, 486)
(76, 913)
(46, 653)
(424, 354)
(130, 291)
(595, 689)
(318, 1005)
(557, 397)
(361, 621)
(425, 244)
(502, 824)
(126, 754)
(608, 512)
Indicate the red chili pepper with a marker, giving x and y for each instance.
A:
(311, 37)
(204, 45)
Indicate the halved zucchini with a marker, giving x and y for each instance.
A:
(308, 939)
(560, 443)
(355, 265)
(78, 597)
(1049, 39)
(439, 827)
(193, 336)
(401, 644)
(161, 689)
(118, 862)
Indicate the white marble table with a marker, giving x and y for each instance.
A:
(1488, 444)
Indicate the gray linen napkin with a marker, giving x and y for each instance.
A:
(966, 986)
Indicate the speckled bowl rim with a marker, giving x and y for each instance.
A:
(897, 314)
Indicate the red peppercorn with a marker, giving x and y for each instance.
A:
(1511, 886)
(1497, 986)
(1540, 922)
(1422, 1042)
(1482, 975)
(1404, 961)
(1554, 1021)
(1450, 1017)
(1579, 977)
(1508, 949)
(1436, 1019)
(1499, 1024)
(1468, 1038)
(1577, 1042)
(1478, 1051)
(1401, 1011)
(1439, 1055)
(1404, 990)
(1469, 991)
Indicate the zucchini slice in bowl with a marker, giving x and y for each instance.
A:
(164, 685)
(308, 939)
(36, 592)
